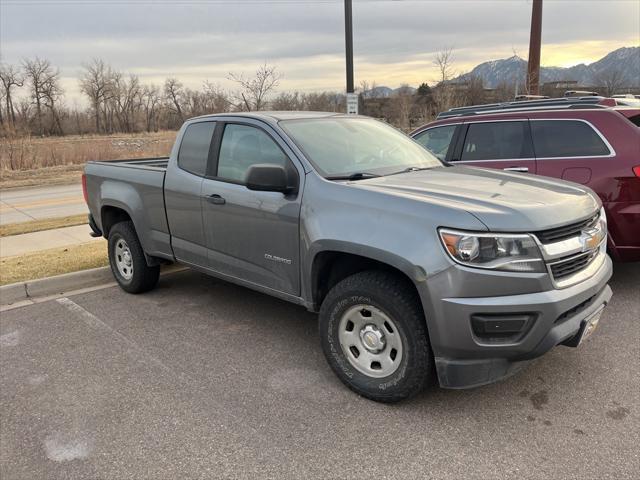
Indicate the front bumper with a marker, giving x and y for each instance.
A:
(464, 359)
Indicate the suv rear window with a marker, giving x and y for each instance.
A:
(635, 120)
(437, 139)
(566, 138)
(497, 141)
(194, 149)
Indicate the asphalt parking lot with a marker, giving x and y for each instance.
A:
(203, 379)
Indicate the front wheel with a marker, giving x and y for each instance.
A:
(127, 260)
(374, 336)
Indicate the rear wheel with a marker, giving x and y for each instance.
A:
(374, 336)
(127, 260)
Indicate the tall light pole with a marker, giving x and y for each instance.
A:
(352, 98)
(535, 38)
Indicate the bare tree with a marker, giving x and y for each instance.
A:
(255, 90)
(51, 95)
(324, 102)
(611, 80)
(96, 83)
(288, 101)
(215, 99)
(475, 94)
(444, 92)
(1, 114)
(404, 99)
(174, 92)
(151, 101)
(11, 77)
(444, 61)
(44, 87)
(127, 99)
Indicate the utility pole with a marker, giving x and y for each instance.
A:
(352, 98)
(535, 38)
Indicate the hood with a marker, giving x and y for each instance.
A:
(503, 201)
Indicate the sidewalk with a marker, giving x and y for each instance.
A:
(38, 241)
(37, 203)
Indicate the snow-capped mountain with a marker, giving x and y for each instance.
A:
(626, 60)
(383, 92)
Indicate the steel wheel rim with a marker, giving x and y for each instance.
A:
(370, 340)
(123, 259)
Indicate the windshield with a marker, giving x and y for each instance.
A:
(344, 146)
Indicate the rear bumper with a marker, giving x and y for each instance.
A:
(467, 359)
(95, 231)
(624, 230)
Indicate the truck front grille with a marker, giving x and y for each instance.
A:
(569, 265)
(567, 231)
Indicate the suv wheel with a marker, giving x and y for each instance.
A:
(127, 260)
(374, 336)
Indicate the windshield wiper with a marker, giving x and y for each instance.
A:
(354, 176)
(410, 169)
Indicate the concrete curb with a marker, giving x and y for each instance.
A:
(61, 284)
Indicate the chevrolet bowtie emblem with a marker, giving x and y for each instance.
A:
(590, 239)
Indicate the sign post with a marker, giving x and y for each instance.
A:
(352, 104)
(352, 98)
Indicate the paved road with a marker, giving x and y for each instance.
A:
(36, 203)
(202, 379)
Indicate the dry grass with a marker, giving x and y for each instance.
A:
(28, 161)
(40, 225)
(53, 262)
(64, 175)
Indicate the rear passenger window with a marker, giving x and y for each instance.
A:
(243, 146)
(566, 138)
(194, 149)
(497, 141)
(437, 140)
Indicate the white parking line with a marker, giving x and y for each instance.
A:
(94, 322)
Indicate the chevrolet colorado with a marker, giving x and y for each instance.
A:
(417, 268)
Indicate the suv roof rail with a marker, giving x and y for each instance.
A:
(541, 104)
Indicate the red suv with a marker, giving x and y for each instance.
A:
(584, 140)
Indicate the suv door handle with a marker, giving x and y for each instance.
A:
(215, 199)
(516, 169)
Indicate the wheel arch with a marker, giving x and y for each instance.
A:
(330, 265)
(112, 214)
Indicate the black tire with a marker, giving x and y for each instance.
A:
(144, 277)
(396, 298)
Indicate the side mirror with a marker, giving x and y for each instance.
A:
(269, 178)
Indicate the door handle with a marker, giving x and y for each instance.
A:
(516, 169)
(215, 199)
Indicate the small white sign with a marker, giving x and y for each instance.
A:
(352, 104)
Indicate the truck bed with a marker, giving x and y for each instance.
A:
(135, 186)
(156, 163)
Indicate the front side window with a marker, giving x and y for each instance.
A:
(243, 146)
(566, 138)
(496, 141)
(194, 149)
(342, 146)
(437, 140)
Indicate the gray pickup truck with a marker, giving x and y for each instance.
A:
(418, 269)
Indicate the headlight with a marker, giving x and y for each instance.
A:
(603, 229)
(495, 251)
(603, 220)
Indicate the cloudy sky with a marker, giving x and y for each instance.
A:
(394, 40)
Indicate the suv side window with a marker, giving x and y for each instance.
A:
(194, 149)
(566, 138)
(243, 146)
(437, 139)
(497, 141)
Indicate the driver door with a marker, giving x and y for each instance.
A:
(251, 235)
